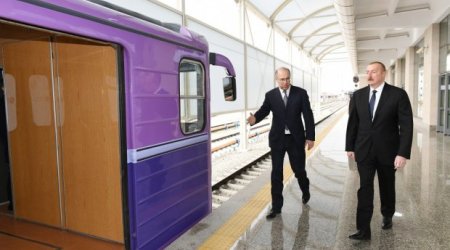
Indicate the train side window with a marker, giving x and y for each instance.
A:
(192, 96)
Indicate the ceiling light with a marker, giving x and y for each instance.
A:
(372, 14)
(425, 6)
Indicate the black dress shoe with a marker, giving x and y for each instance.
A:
(306, 197)
(387, 223)
(361, 235)
(272, 214)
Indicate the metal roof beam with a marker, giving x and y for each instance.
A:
(279, 9)
(317, 31)
(309, 16)
(324, 40)
(329, 50)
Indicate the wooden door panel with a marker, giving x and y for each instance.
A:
(28, 86)
(88, 88)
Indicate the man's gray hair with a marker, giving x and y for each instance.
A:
(282, 68)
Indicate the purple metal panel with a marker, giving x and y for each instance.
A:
(155, 93)
(175, 222)
(141, 52)
(167, 237)
(131, 205)
(220, 60)
(83, 18)
(156, 114)
(151, 57)
(171, 193)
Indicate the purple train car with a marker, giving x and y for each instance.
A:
(107, 122)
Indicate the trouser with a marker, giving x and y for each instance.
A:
(386, 181)
(296, 155)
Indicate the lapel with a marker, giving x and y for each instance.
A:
(280, 97)
(280, 94)
(364, 102)
(290, 96)
(383, 99)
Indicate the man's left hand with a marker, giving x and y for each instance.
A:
(399, 162)
(309, 144)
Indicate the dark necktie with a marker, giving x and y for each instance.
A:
(372, 102)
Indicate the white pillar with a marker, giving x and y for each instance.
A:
(398, 73)
(431, 75)
(388, 75)
(243, 135)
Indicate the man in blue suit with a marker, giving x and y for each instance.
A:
(288, 104)
(379, 138)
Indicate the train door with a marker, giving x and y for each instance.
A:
(89, 130)
(31, 129)
(63, 127)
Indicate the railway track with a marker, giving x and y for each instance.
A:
(237, 178)
(240, 178)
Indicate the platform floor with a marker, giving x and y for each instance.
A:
(422, 219)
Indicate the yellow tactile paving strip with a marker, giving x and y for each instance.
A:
(227, 235)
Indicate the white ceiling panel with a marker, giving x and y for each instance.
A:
(266, 7)
(382, 29)
(292, 10)
(309, 6)
(286, 25)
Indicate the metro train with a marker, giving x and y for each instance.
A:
(108, 120)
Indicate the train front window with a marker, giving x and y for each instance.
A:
(192, 97)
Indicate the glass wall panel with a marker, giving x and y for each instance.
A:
(297, 77)
(260, 76)
(314, 95)
(222, 15)
(258, 32)
(150, 9)
(176, 4)
(444, 41)
(443, 32)
(234, 50)
(282, 46)
(296, 57)
(447, 61)
(448, 29)
(448, 119)
(307, 83)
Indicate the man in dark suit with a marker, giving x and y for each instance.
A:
(288, 104)
(379, 138)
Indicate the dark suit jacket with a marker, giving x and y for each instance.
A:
(291, 115)
(391, 131)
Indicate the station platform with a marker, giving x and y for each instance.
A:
(421, 220)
